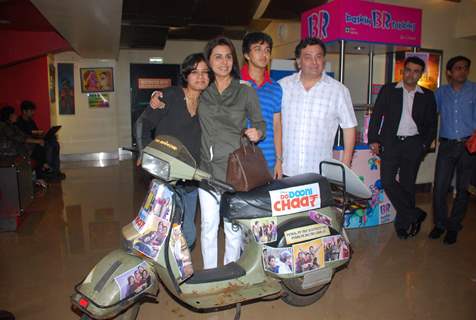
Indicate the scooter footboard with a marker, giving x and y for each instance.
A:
(118, 281)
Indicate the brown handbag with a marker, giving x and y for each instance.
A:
(471, 143)
(247, 168)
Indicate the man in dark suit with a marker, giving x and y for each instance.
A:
(402, 127)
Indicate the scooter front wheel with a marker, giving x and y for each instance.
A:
(299, 298)
(129, 314)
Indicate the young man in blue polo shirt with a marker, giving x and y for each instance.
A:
(257, 48)
(456, 103)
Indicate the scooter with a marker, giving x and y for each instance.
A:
(293, 243)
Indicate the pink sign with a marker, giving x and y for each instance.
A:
(363, 21)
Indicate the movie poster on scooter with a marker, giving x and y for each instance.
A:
(305, 233)
(278, 260)
(265, 230)
(181, 253)
(295, 199)
(308, 256)
(320, 218)
(158, 203)
(335, 248)
(153, 239)
(133, 281)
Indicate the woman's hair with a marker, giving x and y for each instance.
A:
(6, 112)
(224, 41)
(189, 64)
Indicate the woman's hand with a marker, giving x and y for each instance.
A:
(253, 134)
(155, 102)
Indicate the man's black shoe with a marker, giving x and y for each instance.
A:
(402, 234)
(450, 237)
(436, 233)
(416, 226)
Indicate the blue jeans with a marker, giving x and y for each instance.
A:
(190, 208)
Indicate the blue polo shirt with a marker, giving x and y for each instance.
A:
(457, 110)
(269, 96)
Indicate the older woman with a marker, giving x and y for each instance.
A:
(224, 108)
(223, 111)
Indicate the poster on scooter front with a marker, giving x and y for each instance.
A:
(335, 248)
(278, 260)
(295, 199)
(265, 230)
(181, 253)
(152, 241)
(133, 281)
(158, 203)
(308, 256)
(320, 218)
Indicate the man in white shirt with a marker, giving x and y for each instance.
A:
(402, 127)
(313, 106)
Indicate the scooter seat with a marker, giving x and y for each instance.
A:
(256, 203)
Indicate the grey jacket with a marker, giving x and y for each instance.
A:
(222, 117)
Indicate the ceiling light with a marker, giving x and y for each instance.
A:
(156, 60)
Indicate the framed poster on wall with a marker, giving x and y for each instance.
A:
(66, 88)
(52, 82)
(96, 80)
(431, 78)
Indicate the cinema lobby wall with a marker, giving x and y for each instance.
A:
(445, 26)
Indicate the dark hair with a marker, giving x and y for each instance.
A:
(6, 112)
(309, 42)
(256, 37)
(189, 64)
(223, 41)
(454, 60)
(415, 60)
(27, 105)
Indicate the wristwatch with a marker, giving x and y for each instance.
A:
(280, 158)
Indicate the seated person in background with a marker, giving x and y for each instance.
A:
(51, 147)
(13, 142)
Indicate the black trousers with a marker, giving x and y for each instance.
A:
(452, 156)
(402, 158)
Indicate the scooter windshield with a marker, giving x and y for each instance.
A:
(174, 148)
(168, 159)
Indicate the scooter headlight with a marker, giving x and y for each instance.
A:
(156, 166)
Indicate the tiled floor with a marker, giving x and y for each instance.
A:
(68, 229)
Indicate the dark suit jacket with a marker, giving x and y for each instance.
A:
(387, 112)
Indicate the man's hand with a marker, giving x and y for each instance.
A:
(278, 170)
(155, 101)
(253, 134)
(138, 162)
(375, 148)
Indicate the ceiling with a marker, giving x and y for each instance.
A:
(98, 29)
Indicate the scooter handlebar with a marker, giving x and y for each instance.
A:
(208, 179)
(221, 185)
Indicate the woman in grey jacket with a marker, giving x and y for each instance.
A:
(225, 106)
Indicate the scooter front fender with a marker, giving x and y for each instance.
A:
(105, 292)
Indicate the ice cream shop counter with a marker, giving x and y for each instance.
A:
(378, 209)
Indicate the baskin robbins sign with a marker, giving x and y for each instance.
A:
(363, 21)
(295, 199)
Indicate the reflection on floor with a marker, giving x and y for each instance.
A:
(75, 223)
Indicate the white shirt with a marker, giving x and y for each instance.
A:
(407, 126)
(310, 120)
